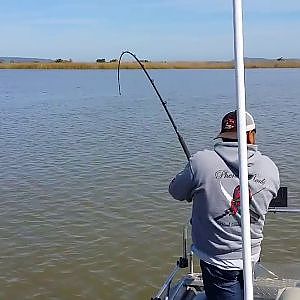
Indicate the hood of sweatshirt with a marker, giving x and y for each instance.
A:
(228, 151)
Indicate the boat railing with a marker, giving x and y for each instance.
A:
(182, 262)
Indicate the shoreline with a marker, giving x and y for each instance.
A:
(289, 63)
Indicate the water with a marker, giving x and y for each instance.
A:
(85, 212)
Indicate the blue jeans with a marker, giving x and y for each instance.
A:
(222, 284)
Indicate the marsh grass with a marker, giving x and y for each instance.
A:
(153, 65)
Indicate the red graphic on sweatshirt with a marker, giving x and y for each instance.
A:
(236, 201)
(234, 204)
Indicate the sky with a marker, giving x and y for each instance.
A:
(85, 30)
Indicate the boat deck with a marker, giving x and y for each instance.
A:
(190, 287)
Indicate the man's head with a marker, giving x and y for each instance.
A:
(229, 128)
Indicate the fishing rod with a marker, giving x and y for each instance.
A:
(164, 103)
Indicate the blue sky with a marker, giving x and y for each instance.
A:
(155, 29)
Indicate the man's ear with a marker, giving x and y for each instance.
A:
(251, 137)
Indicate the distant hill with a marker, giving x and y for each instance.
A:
(8, 59)
(253, 59)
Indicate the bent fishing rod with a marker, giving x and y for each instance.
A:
(164, 103)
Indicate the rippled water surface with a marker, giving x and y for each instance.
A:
(84, 210)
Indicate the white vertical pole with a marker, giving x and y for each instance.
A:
(242, 143)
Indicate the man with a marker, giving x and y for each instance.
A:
(210, 180)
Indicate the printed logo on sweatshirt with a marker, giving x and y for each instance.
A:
(234, 207)
(225, 174)
(257, 179)
(220, 174)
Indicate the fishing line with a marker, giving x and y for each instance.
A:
(164, 103)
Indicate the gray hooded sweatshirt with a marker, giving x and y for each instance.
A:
(210, 179)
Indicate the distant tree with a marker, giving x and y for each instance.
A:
(59, 60)
(100, 60)
(113, 60)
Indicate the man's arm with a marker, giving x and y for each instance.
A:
(181, 186)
